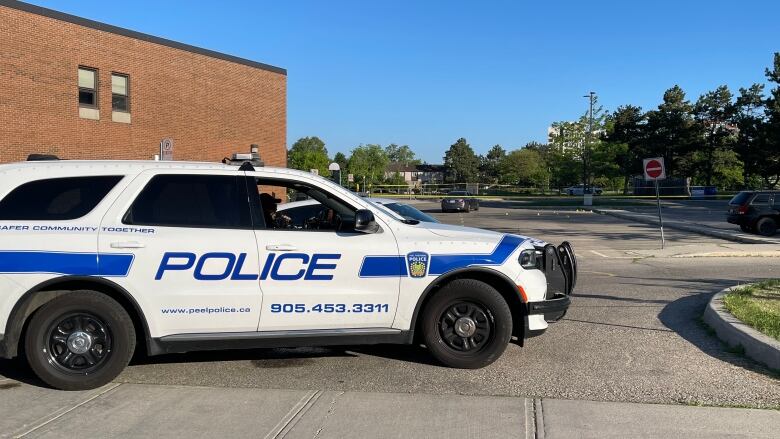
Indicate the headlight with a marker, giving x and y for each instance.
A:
(530, 259)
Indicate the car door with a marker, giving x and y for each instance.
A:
(194, 258)
(313, 276)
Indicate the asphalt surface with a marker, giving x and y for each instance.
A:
(632, 334)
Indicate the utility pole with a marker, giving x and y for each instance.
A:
(586, 150)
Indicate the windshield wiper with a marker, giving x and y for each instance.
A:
(411, 221)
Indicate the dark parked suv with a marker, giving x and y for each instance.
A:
(756, 211)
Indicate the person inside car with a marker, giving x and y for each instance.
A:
(273, 219)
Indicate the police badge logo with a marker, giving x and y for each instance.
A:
(418, 264)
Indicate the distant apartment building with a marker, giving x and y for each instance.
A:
(80, 89)
(416, 175)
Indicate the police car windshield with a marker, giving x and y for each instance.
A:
(388, 212)
(410, 212)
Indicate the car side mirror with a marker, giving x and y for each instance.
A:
(365, 222)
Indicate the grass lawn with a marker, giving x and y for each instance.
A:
(758, 305)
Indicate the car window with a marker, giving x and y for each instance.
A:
(740, 198)
(56, 198)
(760, 199)
(176, 200)
(323, 212)
(410, 212)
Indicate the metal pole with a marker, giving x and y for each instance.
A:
(660, 218)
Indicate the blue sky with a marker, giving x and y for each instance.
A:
(426, 73)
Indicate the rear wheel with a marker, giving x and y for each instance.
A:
(80, 340)
(467, 324)
(766, 226)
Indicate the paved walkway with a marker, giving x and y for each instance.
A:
(136, 410)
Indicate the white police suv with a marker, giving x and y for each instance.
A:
(99, 258)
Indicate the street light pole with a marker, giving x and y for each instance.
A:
(586, 151)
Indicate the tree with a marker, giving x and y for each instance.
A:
(626, 127)
(309, 153)
(671, 132)
(713, 111)
(461, 163)
(749, 118)
(367, 163)
(341, 159)
(769, 168)
(401, 154)
(489, 164)
(524, 167)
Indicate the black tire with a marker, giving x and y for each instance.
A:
(467, 209)
(489, 314)
(79, 320)
(766, 226)
(746, 228)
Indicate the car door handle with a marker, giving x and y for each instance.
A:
(281, 247)
(127, 244)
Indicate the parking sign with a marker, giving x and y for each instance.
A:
(166, 149)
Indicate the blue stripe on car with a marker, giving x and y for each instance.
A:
(441, 264)
(383, 266)
(394, 266)
(75, 264)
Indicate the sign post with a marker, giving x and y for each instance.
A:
(655, 170)
(166, 149)
(335, 172)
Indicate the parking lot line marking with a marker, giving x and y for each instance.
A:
(613, 257)
(599, 272)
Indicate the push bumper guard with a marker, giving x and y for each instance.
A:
(560, 266)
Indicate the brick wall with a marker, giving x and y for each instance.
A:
(211, 107)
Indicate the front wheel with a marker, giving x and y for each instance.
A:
(467, 324)
(80, 340)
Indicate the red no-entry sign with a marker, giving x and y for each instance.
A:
(654, 169)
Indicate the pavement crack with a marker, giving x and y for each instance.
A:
(331, 408)
(294, 415)
(56, 416)
(539, 419)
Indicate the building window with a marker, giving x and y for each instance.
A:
(120, 92)
(88, 96)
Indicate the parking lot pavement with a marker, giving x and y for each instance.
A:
(161, 411)
(704, 216)
(632, 334)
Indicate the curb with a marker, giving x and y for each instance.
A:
(734, 332)
(744, 239)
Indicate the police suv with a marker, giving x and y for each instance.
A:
(100, 258)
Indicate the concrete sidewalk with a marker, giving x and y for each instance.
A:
(729, 234)
(133, 410)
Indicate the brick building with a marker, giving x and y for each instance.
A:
(87, 90)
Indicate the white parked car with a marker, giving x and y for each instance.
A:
(99, 258)
(579, 189)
